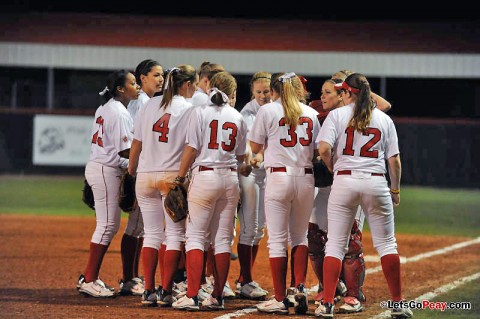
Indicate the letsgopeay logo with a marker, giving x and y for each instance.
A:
(51, 140)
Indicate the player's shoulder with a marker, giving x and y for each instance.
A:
(143, 98)
(115, 107)
(343, 110)
(308, 110)
(234, 112)
(250, 108)
(156, 100)
(199, 98)
(381, 116)
(270, 108)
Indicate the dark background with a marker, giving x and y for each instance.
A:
(297, 10)
(437, 119)
(414, 97)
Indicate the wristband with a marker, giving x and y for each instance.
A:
(180, 179)
(394, 191)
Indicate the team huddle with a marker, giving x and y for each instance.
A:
(307, 174)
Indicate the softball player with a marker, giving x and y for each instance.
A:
(149, 74)
(286, 129)
(361, 138)
(158, 141)
(111, 136)
(216, 143)
(353, 269)
(206, 71)
(252, 185)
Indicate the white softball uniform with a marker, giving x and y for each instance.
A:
(320, 204)
(111, 134)
(252, 212)
(134, 226)
(218, 134)
(162, 133)
(137, 104)
(199, 98)
(288, 163)
(359, 167)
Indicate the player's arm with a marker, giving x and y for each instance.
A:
(255, 147)
(188, 157)
(258, 150)
(134, 155)
(325, 151)
(257, 160)
(382, 104)
(124, 153)
(244, 166)
(395, 173)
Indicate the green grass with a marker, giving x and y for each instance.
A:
(469, 292)
(42, 195)
(422, 210)
(432, 211)
(435, 211)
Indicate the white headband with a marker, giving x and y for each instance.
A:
(105, 90)
(286, 76)
(169, 71)
(213, 91)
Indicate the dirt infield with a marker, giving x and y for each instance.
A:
(42, 257)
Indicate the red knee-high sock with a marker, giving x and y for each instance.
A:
(138, 253)
(278, 266)
(331, 271)
(128, 249)
(391, 270)
(210, 262)
(222, 265)
(161, 258)
(300, 264)
(150, 260)
(194, 271)
(170, 268)
(95, 259)
(245, 259)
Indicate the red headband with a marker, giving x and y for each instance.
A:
(304, 82)
(344, 85)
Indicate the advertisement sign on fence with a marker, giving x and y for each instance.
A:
(61, 140)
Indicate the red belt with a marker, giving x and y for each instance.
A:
(284, 169)
(349, 172)
(205, 168)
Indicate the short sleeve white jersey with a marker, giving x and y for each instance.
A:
(111, 133)
(354, 150)
(199, 97)
(218, 133)
(162, 132)
(283, 145)
(137, 104)
(249, 112)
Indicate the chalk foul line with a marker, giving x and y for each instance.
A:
(432, 294)
(403, 260)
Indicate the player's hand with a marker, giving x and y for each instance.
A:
(395, 199)
(131, 171)
(245, 169)
(179, 180)
(256, 160)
